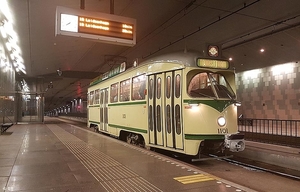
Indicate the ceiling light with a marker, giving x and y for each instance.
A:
(230, 58)
(262, 50)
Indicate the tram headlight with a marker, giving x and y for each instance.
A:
(221, 121)
(238, 104)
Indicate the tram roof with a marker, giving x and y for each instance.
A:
(185, 58)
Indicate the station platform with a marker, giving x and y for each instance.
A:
(60, 157)
(277, 155)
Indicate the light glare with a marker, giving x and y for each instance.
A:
(282, 69)
(10, 37)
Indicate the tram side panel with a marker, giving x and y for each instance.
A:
(130, 117)
(94, 114)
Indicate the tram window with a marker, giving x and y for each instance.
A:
(114, 93)
(91, 98)
(200, 86)
(101, 97)
(158, 118)
(97, 96)
(105, 115)
(106, 96)
(138, 87)
(177, 119)
(150, 118)
(168, 120)
(101, 114)
(177, 86)
(158, 87)
(151, 89)
(168, 89)
(125, 90)
(222, 87)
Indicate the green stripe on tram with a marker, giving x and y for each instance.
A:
(128, 103)
(94, 106)
(203, 137)
(128, 128)
(219, 105)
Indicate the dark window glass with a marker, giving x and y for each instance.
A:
(106, 96)
(101, 97)
(150, 118)
(158, 87)
(158, 118)
(138, 87)
(97, 96)
(151, 89)
(114, 93)
(177, 119)
(105, 115)
(177, 86)
(168, 88)
(101, 114)
(210, 85)
(91, 98)
(168, 120)
(200, 86)
(124, 90)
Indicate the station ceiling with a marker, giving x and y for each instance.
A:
(240, 27)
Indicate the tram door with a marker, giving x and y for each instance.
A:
(165, 112)
(156, 95)
(103, 109)
(173, 110)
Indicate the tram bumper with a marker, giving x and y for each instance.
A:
(235, 142)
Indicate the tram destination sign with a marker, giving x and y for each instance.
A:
(211, 63)
(106, 28)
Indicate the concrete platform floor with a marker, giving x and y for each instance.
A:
(61, 157)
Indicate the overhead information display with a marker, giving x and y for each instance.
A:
(103, 27)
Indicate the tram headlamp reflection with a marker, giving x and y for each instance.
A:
(193, 104)
(221, 121)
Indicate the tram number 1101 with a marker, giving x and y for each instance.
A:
(223, 130)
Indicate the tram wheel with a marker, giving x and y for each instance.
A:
(135, 139)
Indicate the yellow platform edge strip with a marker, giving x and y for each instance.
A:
(194, 178)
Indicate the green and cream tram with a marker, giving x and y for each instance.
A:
(177, 102)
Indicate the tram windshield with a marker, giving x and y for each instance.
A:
(212, 85)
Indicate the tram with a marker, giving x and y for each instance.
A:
(181, 102)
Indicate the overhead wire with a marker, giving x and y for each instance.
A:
(202, 28)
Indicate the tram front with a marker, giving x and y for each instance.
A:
(210, 115)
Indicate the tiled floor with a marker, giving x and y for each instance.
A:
(61, 157)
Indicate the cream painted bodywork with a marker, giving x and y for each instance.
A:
(133, 116)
